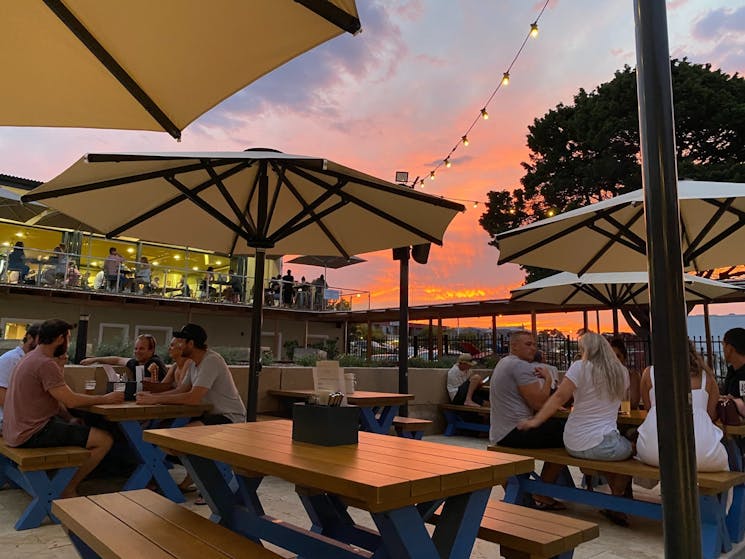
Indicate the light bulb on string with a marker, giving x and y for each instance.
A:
(534, 29)
(506, 78)
(447, 162)
(465, 141)
(421, 183)
(475, 204)
(484, 114)
(431, 175)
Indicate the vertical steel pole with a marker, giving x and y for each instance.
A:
(681, 526)
(403, 328)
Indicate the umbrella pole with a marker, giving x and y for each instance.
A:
(681, 520)
(254, 357)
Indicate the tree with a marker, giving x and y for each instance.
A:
(589, 151)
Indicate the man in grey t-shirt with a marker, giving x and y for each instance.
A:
(209, 382)
(517, 389)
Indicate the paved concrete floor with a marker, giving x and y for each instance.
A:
(643, 540)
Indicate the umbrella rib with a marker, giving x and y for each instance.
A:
(333, 14)
(558, 235)
(228, 198)
(32, 196)
(706, 229)
(723, 235)
(115, 69)
(169, 203)
(369, 207)
(632, 240)
(275, 196)
(247, 212)
(297, 218)
(611, 241)
(287, 231)
(575, 290)
(206, 207)
(313, 217)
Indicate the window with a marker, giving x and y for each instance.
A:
(162, 334)
(110, 333)
(15, 328)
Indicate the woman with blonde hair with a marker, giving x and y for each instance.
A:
(598, 382)
(711, 456)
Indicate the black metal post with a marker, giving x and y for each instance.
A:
(681, 526)
(81, 338)
(402, 254)
(254, 357)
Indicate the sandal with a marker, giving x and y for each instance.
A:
(618, 518)
(555, 505)
(200, 500)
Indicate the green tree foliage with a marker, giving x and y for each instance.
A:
(589, 151)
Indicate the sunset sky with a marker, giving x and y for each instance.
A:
(399, 96)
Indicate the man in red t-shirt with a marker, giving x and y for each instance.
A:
(35, 411)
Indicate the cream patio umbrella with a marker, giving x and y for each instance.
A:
(144, 64)
(613, 290)
(610, 236)
(253, 202)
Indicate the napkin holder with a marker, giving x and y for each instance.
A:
(325, 425)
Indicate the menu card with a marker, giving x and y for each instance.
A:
(328, 377)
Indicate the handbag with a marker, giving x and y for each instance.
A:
(727, 412)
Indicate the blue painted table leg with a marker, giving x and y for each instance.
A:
(404, 535)
(329, 517)
(451, 419)
(152, 462)
(459, 523)
(83, 548)
(736, 513)
(44, 491)
(714, 537)
(381, 424)
(216, 490)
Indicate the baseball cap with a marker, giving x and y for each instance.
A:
(466, 358)
(192, 331)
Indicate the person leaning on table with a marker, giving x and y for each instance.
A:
(37, 401)
(144, 354)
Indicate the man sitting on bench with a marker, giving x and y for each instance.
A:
(463, 385)
(38, 396)
(517, 389)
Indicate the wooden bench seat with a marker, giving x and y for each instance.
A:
(524, 533)
(144, 524)
(30, 469)
(410, 427)
(457, 417)
(720, 526)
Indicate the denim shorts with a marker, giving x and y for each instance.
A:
(613, 447)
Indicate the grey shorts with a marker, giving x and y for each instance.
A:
(613, 447)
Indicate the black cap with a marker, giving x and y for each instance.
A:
(736, 338)
(33, 329)
(193, 332)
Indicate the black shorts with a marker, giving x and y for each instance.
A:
(548, 435)
(212, 419)
(59, 433)
(460, 396)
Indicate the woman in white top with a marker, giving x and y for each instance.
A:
(180, 366)
(598, 382)
(711, 456)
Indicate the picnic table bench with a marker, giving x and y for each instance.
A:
(31, 468)
(719, 526)
(410, 427)
(457, 418)
(525, 533)
(141, 523)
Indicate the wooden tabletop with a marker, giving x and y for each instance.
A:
(635, 417)
(377, 474)
(357, 398)
(132, 411)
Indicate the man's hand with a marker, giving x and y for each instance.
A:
(114, 397)
(543, 372)
(146, 398)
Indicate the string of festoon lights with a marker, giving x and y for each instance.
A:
(483, 114)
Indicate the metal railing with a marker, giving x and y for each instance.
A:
(59, 270)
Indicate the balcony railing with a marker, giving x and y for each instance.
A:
(68, 271)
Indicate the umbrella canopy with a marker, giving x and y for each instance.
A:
(613, 290)
(12, 209)
(333, 262)
(254, 202)
(610, 236)
(148, 65)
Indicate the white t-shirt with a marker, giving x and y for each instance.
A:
(213, 373)
(592, 416)
(456, 377)
(8, 362)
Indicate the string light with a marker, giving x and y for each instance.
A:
(483, 113)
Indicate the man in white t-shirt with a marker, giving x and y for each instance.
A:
(10, 359)
(209, 382)
(463, 384)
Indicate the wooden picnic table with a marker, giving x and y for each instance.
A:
(633, 418)
(401, 482)
(132, 418)
(377, 409)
